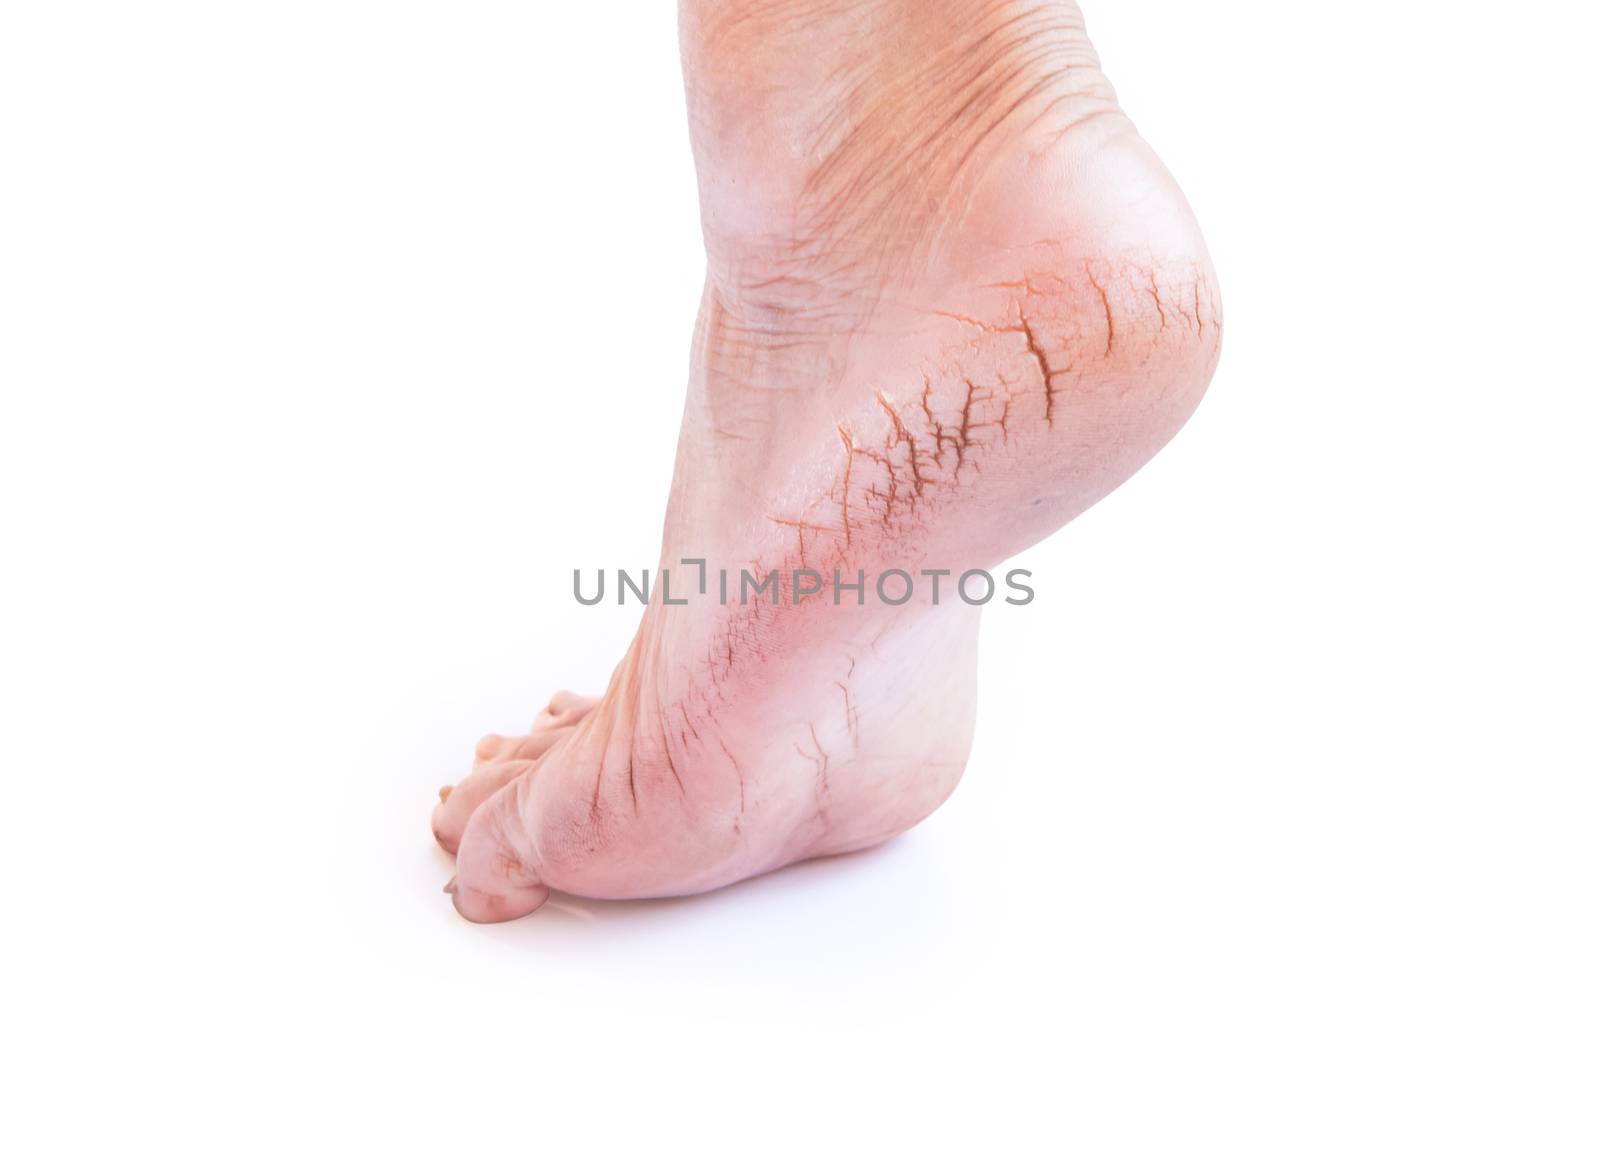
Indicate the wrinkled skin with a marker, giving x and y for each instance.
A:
(952, 300)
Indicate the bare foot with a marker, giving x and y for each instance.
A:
(952, 301)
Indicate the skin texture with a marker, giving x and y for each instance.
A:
(952, 300)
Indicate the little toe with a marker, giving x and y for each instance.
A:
(564, 707)
(564, 701)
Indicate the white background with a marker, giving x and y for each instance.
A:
(1279, 839)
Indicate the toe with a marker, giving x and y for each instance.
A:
(564, 708)
(501, 759)
(451, 814)
(531, 747)
(490, 747)
(495, 880)
(498, 749)
(565, 701)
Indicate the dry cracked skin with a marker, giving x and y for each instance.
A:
(952, 300)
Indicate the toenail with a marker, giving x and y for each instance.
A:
(450, 886)
(444, 793)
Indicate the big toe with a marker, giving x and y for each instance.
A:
(495, 880)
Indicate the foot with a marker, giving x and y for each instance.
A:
(952, 301)
(498, 760)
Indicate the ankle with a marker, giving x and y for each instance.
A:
(827, 136)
